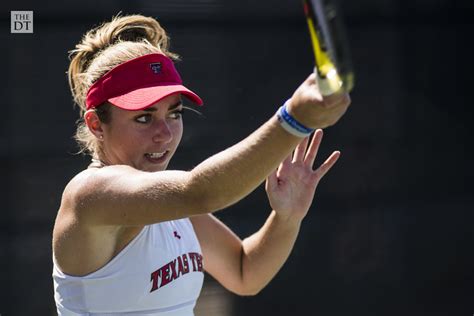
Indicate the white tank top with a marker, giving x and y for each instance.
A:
(158, 273)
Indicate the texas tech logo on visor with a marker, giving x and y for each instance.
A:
(156, 68)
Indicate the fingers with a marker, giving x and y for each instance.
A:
(332, 100)
(337, 100)
(311, 79)
(311, 109)
(313, 148)
(335, 108)
(327, 165)
(312, 83)
(300, 150)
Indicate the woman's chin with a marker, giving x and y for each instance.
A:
(154, 167)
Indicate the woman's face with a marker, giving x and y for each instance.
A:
(146, 139)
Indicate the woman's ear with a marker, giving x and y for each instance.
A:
(93, 123)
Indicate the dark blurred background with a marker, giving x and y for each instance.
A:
(391, 231)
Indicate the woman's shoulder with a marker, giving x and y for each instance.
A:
(89, 186)
(73, 190)
(89, 180)
(81, 180)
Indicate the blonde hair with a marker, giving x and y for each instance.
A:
(100, 50)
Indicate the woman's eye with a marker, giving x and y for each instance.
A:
(176, 114)
(143, 118)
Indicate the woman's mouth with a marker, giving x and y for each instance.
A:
(157, 157)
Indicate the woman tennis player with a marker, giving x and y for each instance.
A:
(133, 238)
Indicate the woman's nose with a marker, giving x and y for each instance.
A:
(162, 132)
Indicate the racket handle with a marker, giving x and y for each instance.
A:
(329, 84)
(333, 66)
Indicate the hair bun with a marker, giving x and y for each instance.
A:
(133, 28)
(120, 30)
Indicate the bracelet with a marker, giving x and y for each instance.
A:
(291, 125)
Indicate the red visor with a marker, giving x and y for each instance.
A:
(138, 84)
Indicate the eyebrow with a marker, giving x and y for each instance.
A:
(172, 107)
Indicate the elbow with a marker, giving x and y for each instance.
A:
(252, 291)
(249, 291)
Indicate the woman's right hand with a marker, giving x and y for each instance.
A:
(309, 107)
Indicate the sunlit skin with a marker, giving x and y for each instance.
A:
(131, 136)
(112, 208)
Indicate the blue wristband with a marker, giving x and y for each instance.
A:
(291, 125)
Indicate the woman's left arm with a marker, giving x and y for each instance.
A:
(245, 267)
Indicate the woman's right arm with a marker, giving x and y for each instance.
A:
(121, 195)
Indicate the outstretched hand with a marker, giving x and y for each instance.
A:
(291, 188)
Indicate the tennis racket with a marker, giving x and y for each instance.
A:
(333, 66)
